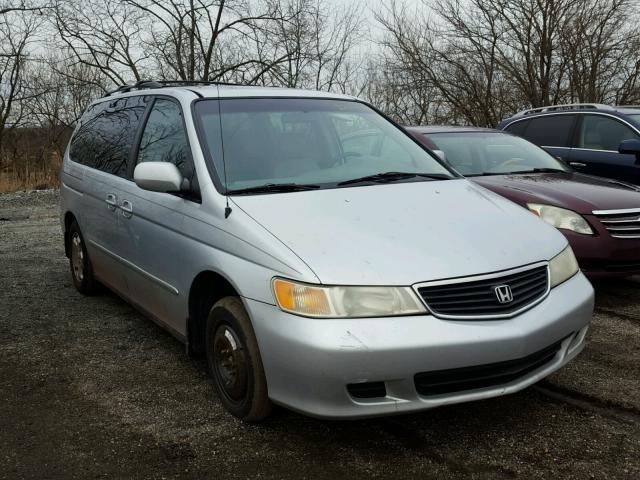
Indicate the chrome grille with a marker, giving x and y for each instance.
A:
(620, 223)
(476, 297)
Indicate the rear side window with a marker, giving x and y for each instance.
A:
(550, 131)
(106, 134)
(603, 133)
(164, 138)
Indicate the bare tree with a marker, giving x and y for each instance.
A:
(103, 34)
(315, 44)
(61, 93)
(488, 58)
(23, 6)
(598, 46)
(282, 42)
(204, 39)
(461, 76)
(17, 30)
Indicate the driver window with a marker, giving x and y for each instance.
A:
(603, 133)
(164, 138)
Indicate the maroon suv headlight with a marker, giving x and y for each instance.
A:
(561, 218)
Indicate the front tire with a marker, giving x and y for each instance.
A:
(234, 361)
(81, 269)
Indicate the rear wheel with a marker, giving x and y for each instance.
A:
(234, 361)
(81, 270)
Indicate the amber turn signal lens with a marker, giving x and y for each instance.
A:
(284, 294)
(303, 299)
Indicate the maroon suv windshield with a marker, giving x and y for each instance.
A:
(489, 153)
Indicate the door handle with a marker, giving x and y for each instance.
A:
(127, 208)
(112, 202)
(578, 164)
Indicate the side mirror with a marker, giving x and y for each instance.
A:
(158, 177)
(630, 147)
(441, 155)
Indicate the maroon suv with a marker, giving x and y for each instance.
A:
(599, 217)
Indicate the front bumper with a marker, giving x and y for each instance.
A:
(309, 362)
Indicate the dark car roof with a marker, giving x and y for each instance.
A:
(630, 110)
(620, 111)
(449, 129)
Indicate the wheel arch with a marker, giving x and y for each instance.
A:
(207, 288)
(69, 218)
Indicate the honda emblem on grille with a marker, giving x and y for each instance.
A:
(504, 294)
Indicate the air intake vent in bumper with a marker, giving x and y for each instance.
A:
(367, 390)
(443, 382)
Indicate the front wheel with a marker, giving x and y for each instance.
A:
(234, 361)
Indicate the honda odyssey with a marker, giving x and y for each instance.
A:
(314, 252)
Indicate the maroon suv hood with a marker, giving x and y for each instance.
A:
(575, 191)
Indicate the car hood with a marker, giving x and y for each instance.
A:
(401, 234)
(575, 191)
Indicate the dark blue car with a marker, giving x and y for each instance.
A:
(594, 139)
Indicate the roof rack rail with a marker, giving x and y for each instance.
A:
(149, 84)
(568, 106)
(628, 106)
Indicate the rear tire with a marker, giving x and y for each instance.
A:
(234, 361)
(79, 262)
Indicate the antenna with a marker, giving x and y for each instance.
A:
(227, 210)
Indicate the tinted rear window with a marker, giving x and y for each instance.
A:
(106, 134)
(550, 131)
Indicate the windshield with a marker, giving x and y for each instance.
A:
(278, 142)
(489, 153)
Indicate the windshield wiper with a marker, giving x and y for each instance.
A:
(517, 172)
(273, 188)
(539, 170)
(394, 176)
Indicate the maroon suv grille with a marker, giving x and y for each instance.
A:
(621, 225)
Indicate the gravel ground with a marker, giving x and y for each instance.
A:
(89, 388)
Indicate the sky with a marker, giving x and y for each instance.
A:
(369, 9)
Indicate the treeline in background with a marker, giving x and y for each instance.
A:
(422, 62)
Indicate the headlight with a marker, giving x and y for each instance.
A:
(345, 302)
(561, 218)
(562, 267)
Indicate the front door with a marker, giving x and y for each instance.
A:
(153, 221)
(596, 151)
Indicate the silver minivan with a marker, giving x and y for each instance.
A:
(314, 252)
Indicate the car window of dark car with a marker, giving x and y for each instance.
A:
(603, 133)
(106, 134)
(550, 130)
(164, 138)
(518, 128)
